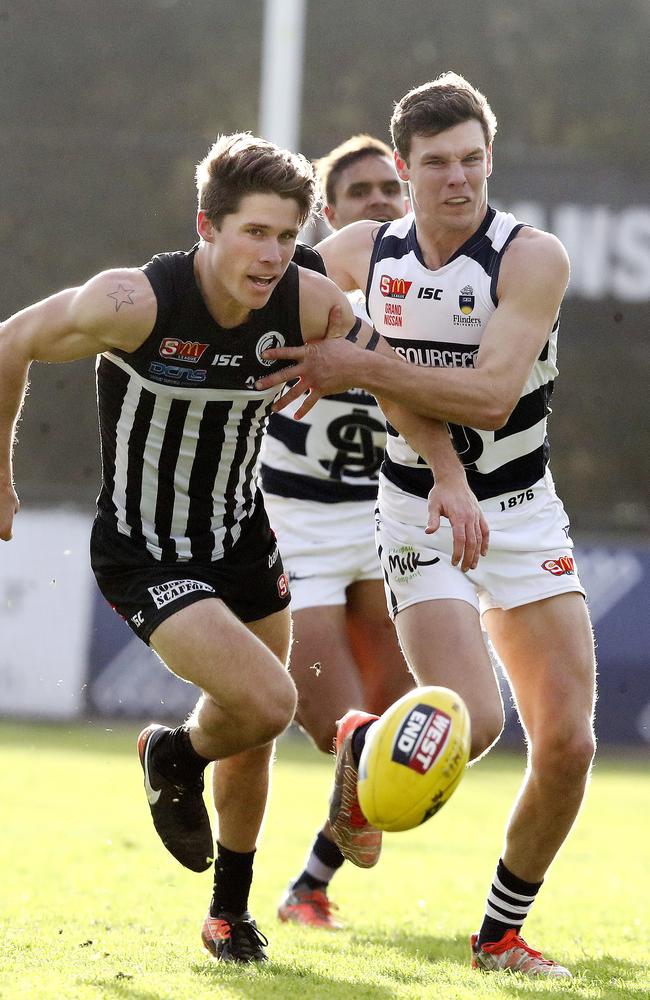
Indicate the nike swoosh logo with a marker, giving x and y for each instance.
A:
(153, 794)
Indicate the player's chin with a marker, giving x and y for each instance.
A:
(258, 294)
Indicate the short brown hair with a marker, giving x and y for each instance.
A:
(241, 164)
(444, 102)
(331, 166)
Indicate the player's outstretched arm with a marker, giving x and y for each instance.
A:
(325, 313)
(113, 309)
(533, 278)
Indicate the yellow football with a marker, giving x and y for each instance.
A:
(414, 758)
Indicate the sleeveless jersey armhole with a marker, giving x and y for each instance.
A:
(373, 261)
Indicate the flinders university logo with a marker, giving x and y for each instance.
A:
(466, 303)
(466, 300)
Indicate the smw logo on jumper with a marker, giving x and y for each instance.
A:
(184, 350)
(265, 343)
(404, 563)
(394, 288)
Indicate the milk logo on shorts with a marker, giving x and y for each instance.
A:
(265, 343)
(421, 738)
(404, 563)
(164, 593)
(562, 566)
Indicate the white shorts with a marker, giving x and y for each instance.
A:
(529, 558)
(325, 547)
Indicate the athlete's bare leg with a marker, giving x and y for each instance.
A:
(324, 671)
(248, 698)
(547, 649)
(240, 783)
(345, 656)
(443, 643)
(380, 662)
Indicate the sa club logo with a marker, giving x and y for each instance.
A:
(466, 300)
(394, 288)
(265, 343)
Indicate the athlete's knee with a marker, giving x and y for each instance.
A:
(280, 714)
(323, 734)
(565, 755)
(486, 730)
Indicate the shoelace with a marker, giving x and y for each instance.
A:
(320, 901)
(246, 938)
(514, 941)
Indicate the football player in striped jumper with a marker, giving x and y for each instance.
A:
(470, 299)
(319, 477)
(181, 545)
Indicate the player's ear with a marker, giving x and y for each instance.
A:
(401, 166)
(330, 214)
(204, 226)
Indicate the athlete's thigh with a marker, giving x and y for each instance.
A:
(205, 643)
(275, 632)
(547, 650)
(323, 669)
(373, 639)
(444, 645)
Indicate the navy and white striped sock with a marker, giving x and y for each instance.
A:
(508, 903)
(323, 861)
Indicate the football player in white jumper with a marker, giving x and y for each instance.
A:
(470, 298)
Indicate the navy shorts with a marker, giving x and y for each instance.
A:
(250, 579)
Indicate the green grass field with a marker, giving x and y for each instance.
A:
(91, 906)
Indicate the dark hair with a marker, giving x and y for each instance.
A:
(444, 102)
(331, 166)
(241, 164)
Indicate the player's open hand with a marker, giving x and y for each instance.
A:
(9, 507)
(322, 368)
(471, 535)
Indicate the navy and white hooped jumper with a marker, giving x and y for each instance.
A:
(437, 318)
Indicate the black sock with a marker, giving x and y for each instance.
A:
(307, 881)
(508, 903)
(176, 758)
(233, 874)
(359, 739)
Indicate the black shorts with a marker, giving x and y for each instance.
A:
(250, 579)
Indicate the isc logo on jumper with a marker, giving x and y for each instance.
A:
(225, 360)
(184, 350)
(394, 288)
(421, 738)
(562, 566)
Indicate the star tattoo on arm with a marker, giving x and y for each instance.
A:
(122, 296)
